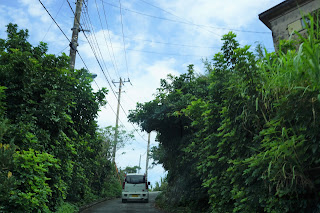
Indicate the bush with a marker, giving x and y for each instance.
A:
(66, 207)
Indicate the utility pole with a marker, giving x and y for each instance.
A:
(148, 147)
(139, 163)
(75, 32)
(117, 118)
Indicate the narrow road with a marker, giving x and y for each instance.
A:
(116, 206)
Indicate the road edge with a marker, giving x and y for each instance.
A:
(82, 208)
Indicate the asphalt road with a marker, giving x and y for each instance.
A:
(116, 206)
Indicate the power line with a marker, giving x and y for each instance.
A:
(106, 76)
(130, 99)
(92, 48)
(169, 54)
(116, 71)
(69, 39)
(63, 49)
(161, 53)
(181, 18)
(63, 32)
(124, 45)
(202, 27)
(112, 109)
(173, 44)
(55, 21)
(188, 23)
(167, 43)
(79, 53)
(51, 22)
(105, 17)
(96, 43)
(132, 124)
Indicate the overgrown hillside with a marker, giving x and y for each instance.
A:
(51, 153)
(244, 136)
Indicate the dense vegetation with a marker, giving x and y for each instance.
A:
(244, 136)
(51, 152)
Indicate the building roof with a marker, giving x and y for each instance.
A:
(279, 9)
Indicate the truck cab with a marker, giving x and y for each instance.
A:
(135, 188)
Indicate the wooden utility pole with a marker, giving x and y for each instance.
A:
(148, 147)
(117, 118)
(139, 163)
(75, 32)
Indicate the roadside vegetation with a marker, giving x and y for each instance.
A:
(53, 157)
(244, 136)
(160, 186)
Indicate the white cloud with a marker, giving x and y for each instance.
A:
(218, 13)
(107, 51)
(35, 9)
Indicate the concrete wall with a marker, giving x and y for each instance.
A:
(283, 25)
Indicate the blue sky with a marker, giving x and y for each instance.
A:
(151, 39)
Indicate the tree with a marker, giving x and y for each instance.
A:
(164, 116)
(48, 129)
(133, 169)
(249, 125)
(107, 135)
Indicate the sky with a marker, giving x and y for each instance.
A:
(140, 40)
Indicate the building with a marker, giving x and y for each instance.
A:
(286, 17)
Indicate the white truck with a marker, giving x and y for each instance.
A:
(135, 188)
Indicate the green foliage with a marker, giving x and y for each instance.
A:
(112, 187)
(7, 179)
(31, 173)
(164, 116)
(162, 185)
(66, 207)
(51, 151)
(248, 133)
(123, 139)
(133, 169)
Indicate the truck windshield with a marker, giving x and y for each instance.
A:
(134, 179)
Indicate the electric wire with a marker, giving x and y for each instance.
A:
(52, 22)
(98, 62)
(83, 60)
(69, 40)
(160, 53)
(189, 23)
(129, 98)
(172, 54)
(92, 48)
(128, 74)
(132, 124)
(83, 30)
(112, 108)
(115, 69)
(97, 84)
(165, 43)
(62, 32)
(97, 45)
(201, 27)
(173, 44)
(124, 44)
(107, 25)
(63, 50)
(105, 74)
(95, 55)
